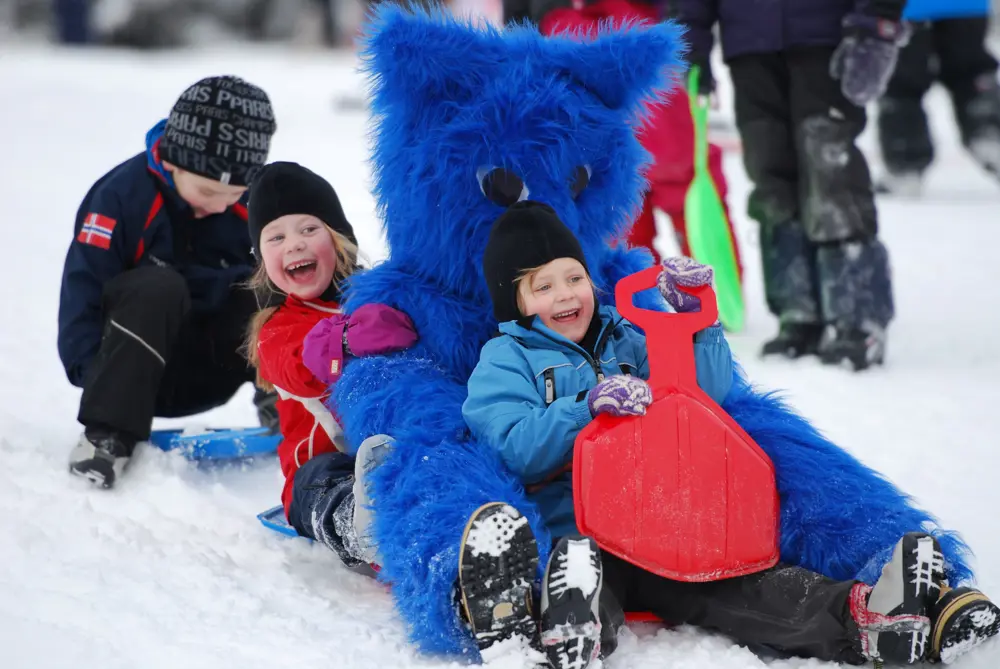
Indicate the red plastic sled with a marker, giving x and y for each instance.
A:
(683, 491)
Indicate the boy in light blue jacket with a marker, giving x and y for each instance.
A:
(560, 360)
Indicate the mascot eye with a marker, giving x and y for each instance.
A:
(579, 180)
(501, 186)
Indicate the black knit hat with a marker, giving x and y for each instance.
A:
(221, 129)
(527, 235)
(284, 188)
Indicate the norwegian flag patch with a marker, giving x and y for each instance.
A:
(97, 231)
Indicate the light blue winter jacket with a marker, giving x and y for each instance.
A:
(933, 10)
(506, 407)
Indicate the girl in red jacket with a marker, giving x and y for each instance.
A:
(305, 249)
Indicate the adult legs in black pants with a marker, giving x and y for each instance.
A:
(954, 52)
(158, 357)
(826, 275)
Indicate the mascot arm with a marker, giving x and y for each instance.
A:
(505, 411)
(381, 394)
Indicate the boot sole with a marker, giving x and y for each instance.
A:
(965, 622)
(497, 567)
(571, 627)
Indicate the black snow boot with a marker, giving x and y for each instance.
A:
(571, 590)
(101, 456)
(893, 616)
(861, 347)
(963, 618)
(794, 340)
(498, 564)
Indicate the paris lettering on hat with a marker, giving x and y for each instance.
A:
(220, 128)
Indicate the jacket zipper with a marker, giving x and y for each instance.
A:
(601, 341)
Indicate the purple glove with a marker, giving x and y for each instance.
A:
(323, 348)
(373, 329)
(866, 57)
(620, 395)
(683, 271)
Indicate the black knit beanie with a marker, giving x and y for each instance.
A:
(284, 188)
(529, 234)
(221, 129)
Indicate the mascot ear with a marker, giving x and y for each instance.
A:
(417, 54)
(628, 66)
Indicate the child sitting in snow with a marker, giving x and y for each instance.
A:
(560, 360)
(306, 249)
(152, 311)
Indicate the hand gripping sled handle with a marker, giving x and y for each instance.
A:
(669, 336)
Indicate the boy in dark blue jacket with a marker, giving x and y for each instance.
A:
(559, 361)
(803, 71)
(151, 318)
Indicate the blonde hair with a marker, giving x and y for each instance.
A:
(262, 286)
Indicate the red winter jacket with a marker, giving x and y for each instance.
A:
(307, 426)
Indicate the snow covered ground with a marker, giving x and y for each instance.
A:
(172, 568)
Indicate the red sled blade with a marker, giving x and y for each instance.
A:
(683, 491)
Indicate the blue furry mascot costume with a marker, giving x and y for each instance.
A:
(452, 101)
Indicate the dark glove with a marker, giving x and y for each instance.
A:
(866, 57)
(706, 81)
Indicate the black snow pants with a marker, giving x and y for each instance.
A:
(812, 195)
(158, 357)
(786, 610)
(952, 51)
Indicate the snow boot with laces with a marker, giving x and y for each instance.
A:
(893, 617)
(571, 589)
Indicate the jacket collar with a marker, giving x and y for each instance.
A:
(531, 331)
(317, 304)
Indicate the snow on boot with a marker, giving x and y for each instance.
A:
(902, 184)
(986, 151)
(497, 566)
(371, 453)
(794, 340)
(101, 456)
(571, 627)
(862, 348)
(892, 616)
(963, 619)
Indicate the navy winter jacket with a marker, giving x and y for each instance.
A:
(506, 406)
(767, 26)
(132, 217)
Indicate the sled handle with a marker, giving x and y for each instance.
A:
(699, 117)
(669, 341)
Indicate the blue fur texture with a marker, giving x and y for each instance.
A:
(846, 526)
(450, 99)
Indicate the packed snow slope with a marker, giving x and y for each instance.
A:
(171, 569)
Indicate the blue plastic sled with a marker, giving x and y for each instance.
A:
(274, 519)
(217, 444)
